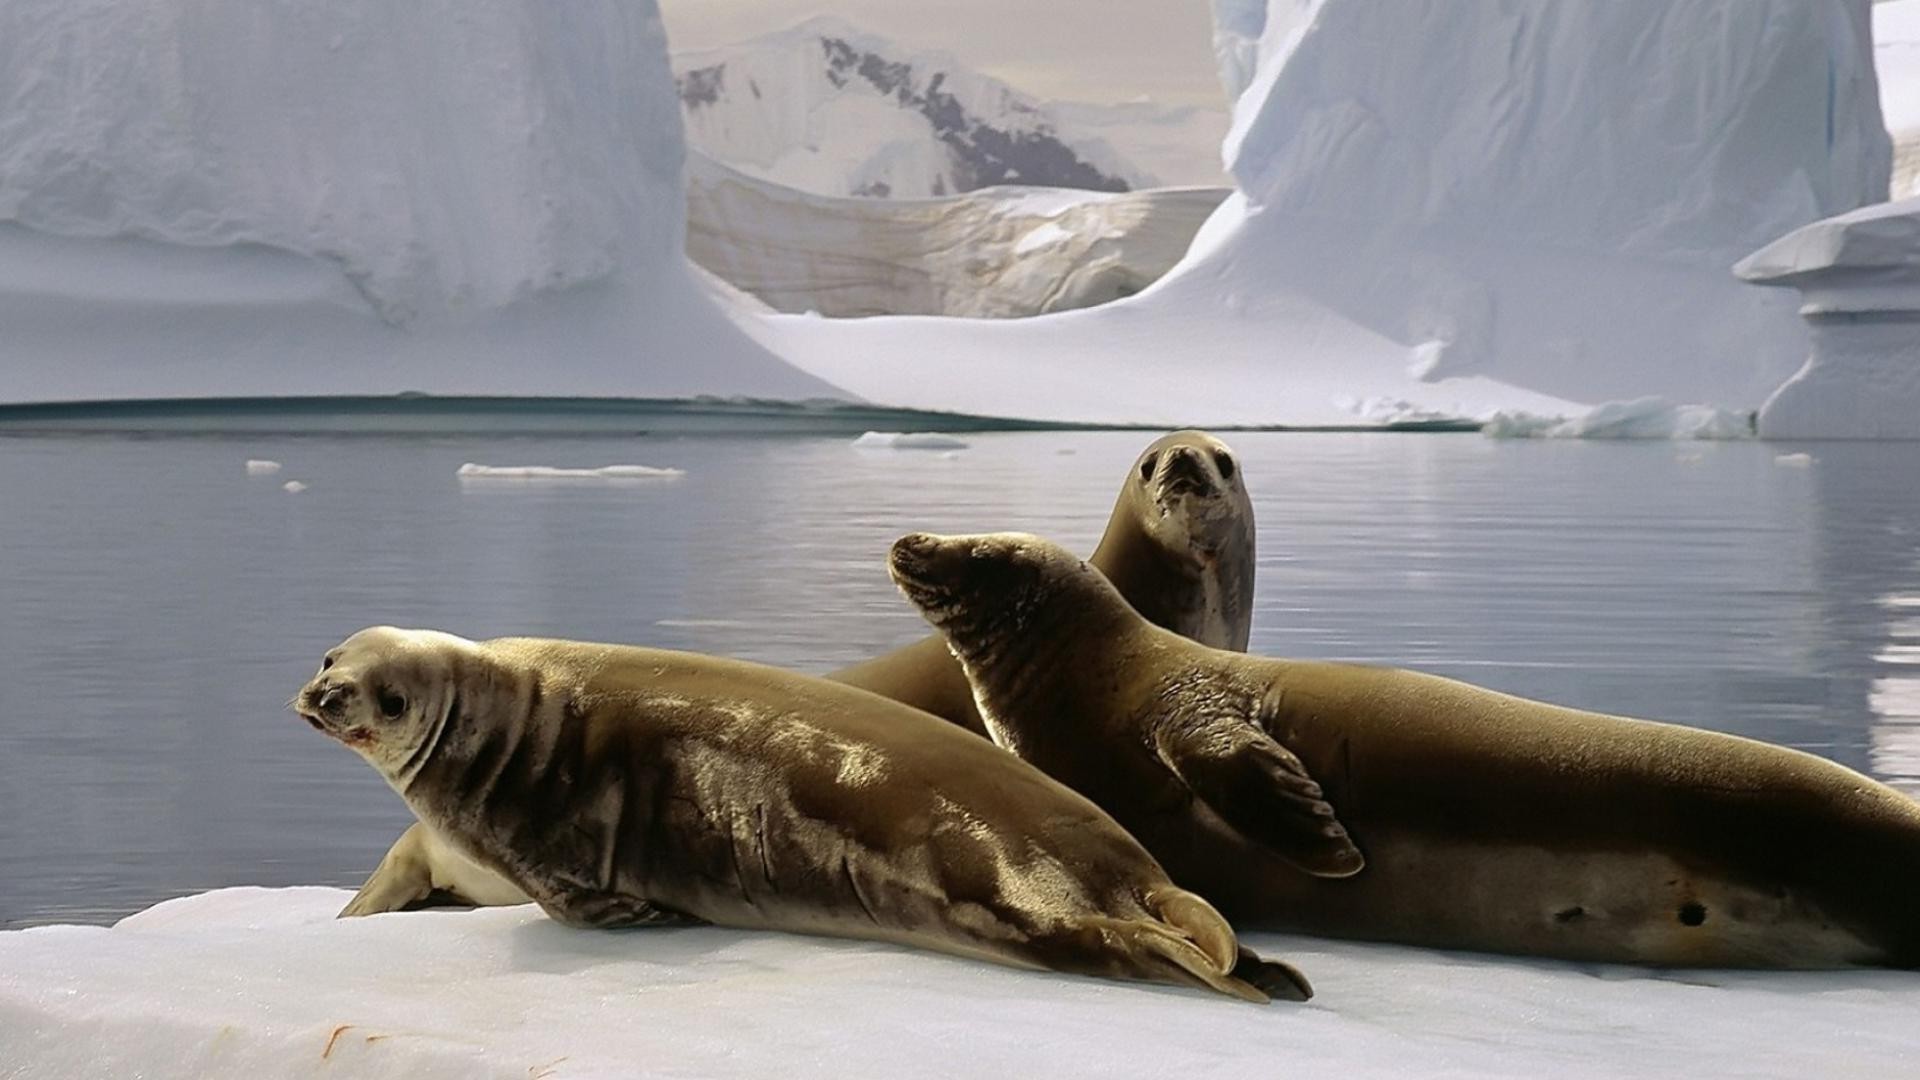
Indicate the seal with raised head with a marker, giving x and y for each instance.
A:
(1179, 546)
(1488, 821)
(622, 786)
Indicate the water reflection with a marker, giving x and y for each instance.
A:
(1868, 512)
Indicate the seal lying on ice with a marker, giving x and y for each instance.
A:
(621, 786)
(1487, 821)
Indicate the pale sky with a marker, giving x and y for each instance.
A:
(1074, 50)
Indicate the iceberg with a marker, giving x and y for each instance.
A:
(1859, 279)
(464, 198)
(1463, 206)
(256, 982)
(1443, 210)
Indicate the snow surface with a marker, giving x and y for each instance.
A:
(1459, 206)
(235, 198)
(257, 982)
(831, 109)
(997, 252)
(908, 440)
(471, 471)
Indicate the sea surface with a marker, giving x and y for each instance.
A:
(158, 604)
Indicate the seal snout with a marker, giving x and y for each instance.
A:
(911, 559)
(1185, 470)
(325, 700)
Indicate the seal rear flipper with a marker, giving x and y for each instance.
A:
(1278, 980)
(1151, 951)
(1259, 787)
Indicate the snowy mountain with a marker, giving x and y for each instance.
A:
(1178, 145)
(829, 109)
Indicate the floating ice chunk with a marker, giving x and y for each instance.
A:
(470, 471)
(1641, 418)
(1392, 410)
(262, 467)
(908, 440)
(293, 487)
(1794, 461)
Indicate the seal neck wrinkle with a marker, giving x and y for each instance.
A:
(1014, 652)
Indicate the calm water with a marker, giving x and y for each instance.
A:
(157, 605)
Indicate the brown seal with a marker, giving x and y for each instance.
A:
(1488, 821)
(1179, 546)
(621, 786)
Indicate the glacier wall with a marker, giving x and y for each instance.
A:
(267, 196)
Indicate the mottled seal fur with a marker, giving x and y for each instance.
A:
(1488, 821)
(621, 786)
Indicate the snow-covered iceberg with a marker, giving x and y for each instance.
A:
(997, 252)
(252, 983)
(1859, 276)
(454, 196)
(1462, 205)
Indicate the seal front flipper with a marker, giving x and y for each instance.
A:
(1258, 787)
(401, 880)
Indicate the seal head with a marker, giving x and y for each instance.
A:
(1180, 544)
(384, 693)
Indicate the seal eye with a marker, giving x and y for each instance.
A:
(1224, 462)
(326, 662)
(392, 704)
(1146, 466)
